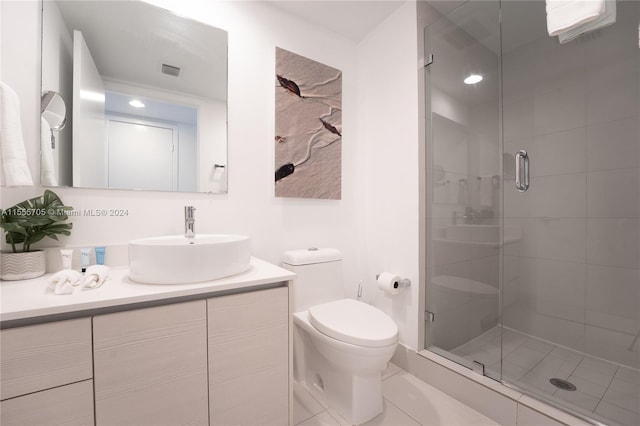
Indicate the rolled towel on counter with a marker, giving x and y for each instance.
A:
(95, 276)
(63, 282)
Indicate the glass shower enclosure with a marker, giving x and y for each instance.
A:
(532, 205)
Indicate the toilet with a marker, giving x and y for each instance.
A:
(341, 346)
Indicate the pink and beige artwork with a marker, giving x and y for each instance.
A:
(308, 128)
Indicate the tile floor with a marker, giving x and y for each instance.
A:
(609, 390)
(407, 402)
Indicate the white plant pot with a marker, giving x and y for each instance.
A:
(22, 266)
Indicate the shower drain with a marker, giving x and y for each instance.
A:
(562, 384)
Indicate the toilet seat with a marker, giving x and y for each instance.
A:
(354, 322)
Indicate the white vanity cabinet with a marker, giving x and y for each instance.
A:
(151, 366)
(213, 353)
(45, 374)
(249, 358)
(220, 361)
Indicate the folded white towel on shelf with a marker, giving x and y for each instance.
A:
(14, 155)
(605, 19)
(564, 15)
(47, 167)
(63, 282)
(95, 276)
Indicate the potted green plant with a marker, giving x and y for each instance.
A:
(27, 223)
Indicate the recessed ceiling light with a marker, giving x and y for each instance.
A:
(136, 103)
(473, 79)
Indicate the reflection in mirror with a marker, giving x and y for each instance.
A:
(451, 151)
(53, 118)
(146, 98)
(54, 110)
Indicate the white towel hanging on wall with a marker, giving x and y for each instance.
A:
(14, 155)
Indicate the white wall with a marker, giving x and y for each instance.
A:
(387, 102)
(275, 225)
(377, 218)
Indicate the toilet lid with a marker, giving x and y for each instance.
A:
(354, 322)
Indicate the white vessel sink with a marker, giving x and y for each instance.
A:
(175, 259)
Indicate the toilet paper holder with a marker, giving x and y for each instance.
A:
(405, 282)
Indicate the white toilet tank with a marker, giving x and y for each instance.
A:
(318, 276)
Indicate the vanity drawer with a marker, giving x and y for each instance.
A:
(66, 405)
(43, 356)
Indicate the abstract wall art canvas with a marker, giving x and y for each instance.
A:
(308, 128)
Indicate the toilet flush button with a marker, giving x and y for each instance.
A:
(313, 249)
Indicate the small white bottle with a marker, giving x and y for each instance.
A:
(66, 255)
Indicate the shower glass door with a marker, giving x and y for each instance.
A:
(571, 288)
(533, 204)
(463, 201)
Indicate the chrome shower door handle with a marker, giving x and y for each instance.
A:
(522, 184)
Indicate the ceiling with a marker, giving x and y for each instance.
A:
(353, 19)
(129, 42)
(179, 41)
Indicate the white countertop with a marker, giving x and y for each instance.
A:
(29, 299)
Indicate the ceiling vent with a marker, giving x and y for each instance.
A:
(170, 70)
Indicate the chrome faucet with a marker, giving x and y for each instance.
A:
(189, 222)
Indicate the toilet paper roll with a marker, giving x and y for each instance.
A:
(389, 283)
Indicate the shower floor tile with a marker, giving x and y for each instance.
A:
(594, 389)
(578, 398)
(525, 357)
(628, 375)
(510, 369)
(608, 390)
(535, 382)
(596, 371)
(618, 414)
(556, 366)
(624, 398)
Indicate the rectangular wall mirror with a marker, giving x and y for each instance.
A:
(145, 94)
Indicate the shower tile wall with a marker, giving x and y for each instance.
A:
(575, 109)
